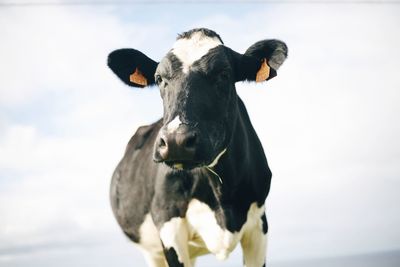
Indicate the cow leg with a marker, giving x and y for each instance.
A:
(154, 260)
(174, 236)
(254, 244)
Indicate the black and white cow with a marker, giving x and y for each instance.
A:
(195, 182)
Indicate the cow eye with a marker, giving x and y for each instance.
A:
(158, 79)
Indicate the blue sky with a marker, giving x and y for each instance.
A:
(328, 122)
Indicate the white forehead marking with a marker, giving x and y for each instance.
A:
(174, 124)
(190, 50)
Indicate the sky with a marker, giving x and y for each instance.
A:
(328, 123)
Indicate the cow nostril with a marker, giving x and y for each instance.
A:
(162, 143)
(191, 141)
(162, 148)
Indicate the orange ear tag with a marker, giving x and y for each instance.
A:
(138, 78)
(263, 72)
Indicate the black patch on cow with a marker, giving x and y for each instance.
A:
(206, 32)
(264, 223)
(215, 63)
(172, 258)
(172, 198)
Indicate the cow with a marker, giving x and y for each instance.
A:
(195, 182)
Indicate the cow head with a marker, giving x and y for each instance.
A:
(197, 79)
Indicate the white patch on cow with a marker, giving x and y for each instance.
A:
(154, 260)
(169, 232)
(215, 161)
(199, 233)
(174, 234)
(150, 244)
(221, 242)
(190, 50)
(256, 254)
(174, 124)
(202, 221)
(254, 243)
(149, 238)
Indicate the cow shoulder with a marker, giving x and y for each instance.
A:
(142, 135)
(133, 182)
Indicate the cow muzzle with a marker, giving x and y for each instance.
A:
(177, 148)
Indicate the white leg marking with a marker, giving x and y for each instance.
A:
(174, 124)
(149, 238)
(190, 50)
(254, 241)
(202, 222)
(254, 246)
(205, 231)
(174, 234)
(154, 260)
(150, 244)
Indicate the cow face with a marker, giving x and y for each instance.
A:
(197, 84)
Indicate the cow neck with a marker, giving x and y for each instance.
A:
(234, 161)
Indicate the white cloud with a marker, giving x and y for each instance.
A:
(62, 50)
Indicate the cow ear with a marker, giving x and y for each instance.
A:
(133, 67)
(261, 61)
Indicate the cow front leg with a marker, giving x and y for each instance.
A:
(254, 244)
(174, 237)
(154, 260)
